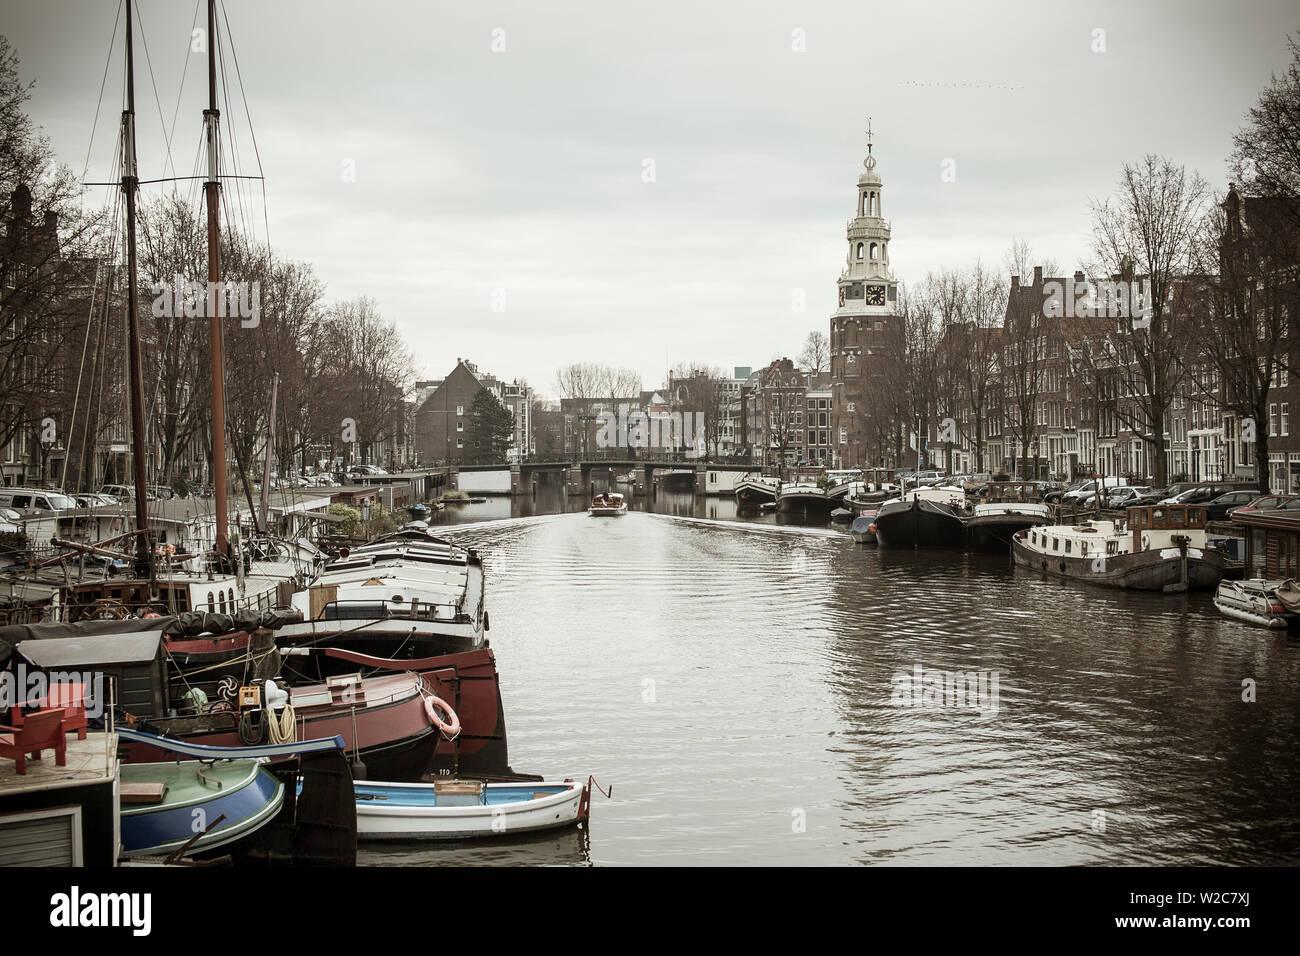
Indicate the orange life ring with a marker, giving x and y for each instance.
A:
(450, 728)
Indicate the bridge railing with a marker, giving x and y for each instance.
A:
(619, 456)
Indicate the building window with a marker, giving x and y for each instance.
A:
(844, 435)
(851, 406)
(1285, 419)
(1272, 420)
(860, 247)
(460, 443)
(460, 426)
(460, 409)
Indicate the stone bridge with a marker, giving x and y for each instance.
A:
(521, 478)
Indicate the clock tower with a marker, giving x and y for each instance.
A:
(865, 332)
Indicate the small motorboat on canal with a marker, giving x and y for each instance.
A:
(461, 809)
(1008, 507)
(607, 505)
(1255, 601)
(863, 528)
(923, 518)
(1155, 548)
(755, 490)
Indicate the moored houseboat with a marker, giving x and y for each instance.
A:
(1154, 548)
(804, 497)
(923, 518)
(1007, 508)
(755, 490)
(407, 594)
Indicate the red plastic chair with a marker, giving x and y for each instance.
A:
(42, 730)
(71, 697)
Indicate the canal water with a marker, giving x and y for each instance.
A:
(766, 693)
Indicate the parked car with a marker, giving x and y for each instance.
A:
(1268, 503)
(1207, 491)
(1131, 497)
(1176, 489)
(1086, 492)
(1218, 509)
(10, 521)
(92, 500)
(1054, 497)
(30, 501)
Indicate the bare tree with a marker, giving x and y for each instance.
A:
(702, 389)
(373, 371)
(1247, 297)
(1025, 346)
(985, 306)
(815, 356)
(1148, 232)
(49, 276)
(172, 244)
(1266, 151)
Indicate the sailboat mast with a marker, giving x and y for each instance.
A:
(211, 187)
(130, 183)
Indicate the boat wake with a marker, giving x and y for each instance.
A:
(441, 529)
(743, 526)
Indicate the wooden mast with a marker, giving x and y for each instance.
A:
(211, 190)
(130, 183)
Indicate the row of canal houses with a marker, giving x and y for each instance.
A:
(1033, 366)
(1081, 426)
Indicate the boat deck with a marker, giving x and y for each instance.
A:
(89, 761)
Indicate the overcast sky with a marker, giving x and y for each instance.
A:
(516, 177)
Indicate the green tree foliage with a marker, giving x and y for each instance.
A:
(491, 426)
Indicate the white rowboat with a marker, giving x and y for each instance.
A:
(453, 810)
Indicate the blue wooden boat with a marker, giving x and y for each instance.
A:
(220, 796)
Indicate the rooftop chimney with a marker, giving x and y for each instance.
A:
(21, 200)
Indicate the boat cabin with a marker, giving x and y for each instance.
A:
(1272, 543)
(1010, 491)
(1146, 528)
(1156, 526)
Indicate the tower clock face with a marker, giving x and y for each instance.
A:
(875, 295)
